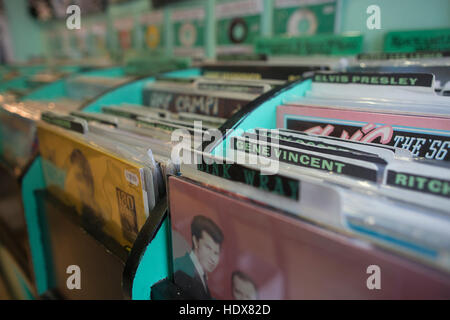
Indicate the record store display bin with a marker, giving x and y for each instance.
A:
(35, 86)
(38, 206)
(321, 253)
(225, 150)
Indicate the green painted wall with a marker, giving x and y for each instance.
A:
(395, 15)
(25, 32)
(351, 16)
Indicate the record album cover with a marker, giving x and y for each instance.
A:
(105, 190)
(425, 136)
(228, 248)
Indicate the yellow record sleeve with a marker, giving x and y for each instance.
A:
(152, 36)
(106, 190)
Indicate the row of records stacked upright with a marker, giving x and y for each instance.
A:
(284, 178)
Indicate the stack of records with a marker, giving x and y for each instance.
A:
(355, 180)
(437, 63)
(112, 177)
(18, 128)
(137, 142)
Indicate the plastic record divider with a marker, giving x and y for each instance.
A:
(33, 181)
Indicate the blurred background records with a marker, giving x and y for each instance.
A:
(297, 17)
(242, 20)
(189, 31)
(263, 67)
(152, 27)
(124, 28)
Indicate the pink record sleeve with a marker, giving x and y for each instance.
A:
(424, 136)
(276, 256)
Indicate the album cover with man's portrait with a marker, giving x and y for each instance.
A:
(227, 247)
(104, 189)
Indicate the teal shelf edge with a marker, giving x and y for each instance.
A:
(154, 265)
(57, 89)
(132, 92)
(34, 180)
(15, 83)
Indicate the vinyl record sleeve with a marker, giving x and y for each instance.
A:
(152, 25)
(287, 141)
(255, 70)
(295, 18)
(385, 152)
(18, 134)
(266, 255)
(352, 207)
(189, 30)
(238, 25)
(426, 137)
(105, 190)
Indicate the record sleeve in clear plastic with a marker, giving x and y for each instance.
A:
(220, 253)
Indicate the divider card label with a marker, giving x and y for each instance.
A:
(325, 44)
(233, 87)
(193, 103)
(275, 183)
(168, 126)
(386, 79)
(341, 141)
(65, 121)
(402, 55)
(297, 17)
(120, 113)
(417, 40)
(426, 137)
(416, 182)
(301, 144)
(189, 30)
(307, 159)
(381, 151)
(238, 23)
(97, 117)
(257, 72)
